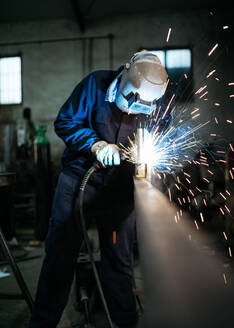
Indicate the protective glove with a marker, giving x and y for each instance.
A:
(106, 154)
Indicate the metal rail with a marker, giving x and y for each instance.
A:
(184, 283)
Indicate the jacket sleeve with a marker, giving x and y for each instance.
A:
(73, 122)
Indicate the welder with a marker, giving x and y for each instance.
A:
(104, 109)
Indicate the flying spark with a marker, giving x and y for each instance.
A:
(168, 150)
(212, 72)
(224, 278)
(213, 49)
(168, 34)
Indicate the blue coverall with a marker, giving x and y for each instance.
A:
(85, 118)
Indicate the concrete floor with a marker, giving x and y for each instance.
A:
(15, 313)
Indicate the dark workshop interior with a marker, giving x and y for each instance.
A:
(183, 244)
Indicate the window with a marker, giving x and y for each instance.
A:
(178, 63)
(10, 80)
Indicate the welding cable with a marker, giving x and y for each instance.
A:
(84, 182)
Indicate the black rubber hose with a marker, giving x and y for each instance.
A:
(86, 239)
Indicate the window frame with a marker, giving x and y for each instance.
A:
(21, 78)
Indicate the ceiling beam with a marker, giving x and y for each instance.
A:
(79, 15)
(88, 9)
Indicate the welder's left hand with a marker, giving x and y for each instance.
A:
(107, 154)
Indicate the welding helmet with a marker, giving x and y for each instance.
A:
(143, 82)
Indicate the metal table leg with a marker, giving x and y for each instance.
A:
(19, 278)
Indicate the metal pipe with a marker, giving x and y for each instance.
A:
(90, 55)
(84, 56)
(111, 56)
(54, 40)
(184, 284)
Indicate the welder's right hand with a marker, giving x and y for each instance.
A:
(106, 154)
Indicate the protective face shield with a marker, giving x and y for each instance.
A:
(143, 82)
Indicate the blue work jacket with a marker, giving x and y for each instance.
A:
(86, 117)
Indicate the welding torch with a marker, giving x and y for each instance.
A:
(110, 154)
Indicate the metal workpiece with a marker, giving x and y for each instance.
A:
(140, 166)
(140, 143)
(184, 281)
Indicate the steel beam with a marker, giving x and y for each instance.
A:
(183, 280)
